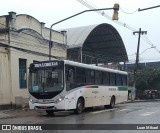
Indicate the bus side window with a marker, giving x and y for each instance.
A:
(106, 78)
(98, 78)
(70, 77)
(124, 80)
(112, 79)
(118, 79)
(80, 76)
(90, 76)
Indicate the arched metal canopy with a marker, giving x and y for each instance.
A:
(101, 42)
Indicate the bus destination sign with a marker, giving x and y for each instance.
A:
(46, 64)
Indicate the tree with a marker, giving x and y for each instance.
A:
(146, 77)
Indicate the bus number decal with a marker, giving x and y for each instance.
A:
(48, 64)
(112, 89)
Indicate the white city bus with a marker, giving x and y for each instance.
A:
(67, 85)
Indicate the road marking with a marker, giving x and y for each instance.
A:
(96, 112)
(149, 113)
(123, 110)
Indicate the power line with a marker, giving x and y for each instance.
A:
(145, 38)
(88, 5)
(148, 8)
(128, 12)
(91, 6)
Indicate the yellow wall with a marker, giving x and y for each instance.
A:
(34, 39)
(4, 77)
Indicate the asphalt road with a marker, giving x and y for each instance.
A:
(129, 113)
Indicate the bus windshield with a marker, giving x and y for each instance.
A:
(46, 80)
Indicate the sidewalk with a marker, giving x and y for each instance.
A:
(14, 113)
(148, 100)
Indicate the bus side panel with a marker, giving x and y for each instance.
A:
(123, 94)
(70, 101)
(60, 105)
(72, 98)
(99, 96)
(88, 95)
(106, 94)
(110, 91)
(118, 96)
(94, 96)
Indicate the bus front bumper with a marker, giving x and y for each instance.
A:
(47, 106)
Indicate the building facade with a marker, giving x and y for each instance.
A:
(24, 40)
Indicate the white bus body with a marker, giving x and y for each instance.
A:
(76, 95)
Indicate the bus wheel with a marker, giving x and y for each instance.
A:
(79, 107)
(50, 112)
(112, 102)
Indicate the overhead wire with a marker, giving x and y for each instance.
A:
(89, 5)
(128, 12)
(145, 38)
(38, 38)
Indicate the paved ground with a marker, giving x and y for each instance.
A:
(13, 113)
(137, 112)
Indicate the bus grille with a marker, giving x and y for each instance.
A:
(44, 107)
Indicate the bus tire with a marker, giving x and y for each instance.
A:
(79, 106)
(50, 112)
(112, 102)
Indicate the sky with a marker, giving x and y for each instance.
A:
(51, 11)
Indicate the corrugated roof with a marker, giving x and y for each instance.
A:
(77, 36)
(102, 41)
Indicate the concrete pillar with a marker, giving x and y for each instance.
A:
(65, 37)
(42, 27)
(12, 20)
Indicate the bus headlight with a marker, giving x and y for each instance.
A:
(59, 100)
(31, 101)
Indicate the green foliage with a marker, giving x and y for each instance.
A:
(146, 78)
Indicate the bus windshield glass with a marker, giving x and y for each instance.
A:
(46, 80)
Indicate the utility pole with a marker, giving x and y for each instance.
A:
(137, 55)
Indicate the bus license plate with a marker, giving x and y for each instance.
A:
(44, 107)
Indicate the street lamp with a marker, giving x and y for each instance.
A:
(115, 17)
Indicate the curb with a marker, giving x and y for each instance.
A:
(149, 100)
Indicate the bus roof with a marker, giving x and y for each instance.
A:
(43, 64)
(94, 67)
